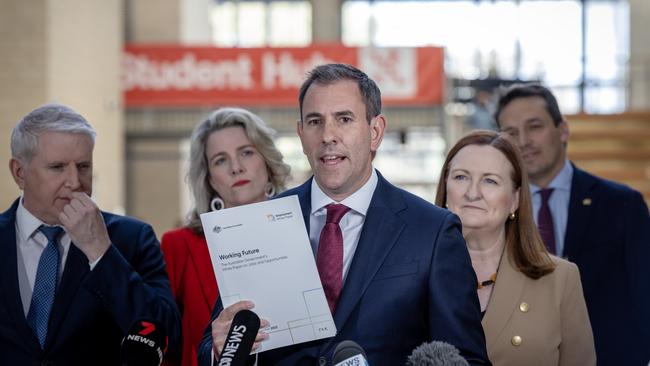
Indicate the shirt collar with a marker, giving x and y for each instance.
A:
(358, 201)
(561, 182)
(26, 222)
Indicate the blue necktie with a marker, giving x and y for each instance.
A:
(45, 285)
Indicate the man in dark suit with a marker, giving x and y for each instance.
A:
(75, 279)
(602, 226)
(399, 273)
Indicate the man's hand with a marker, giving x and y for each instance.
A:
(83, 221)
(221, 326)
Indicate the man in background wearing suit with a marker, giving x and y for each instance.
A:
(75, 279)
(602, 226)
(399, 274)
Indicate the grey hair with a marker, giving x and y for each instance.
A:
(46, 118)
(260, 135)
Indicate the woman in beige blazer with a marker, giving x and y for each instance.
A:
(533, 305)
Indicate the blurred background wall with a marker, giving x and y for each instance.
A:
(594, 55)
(69, 52)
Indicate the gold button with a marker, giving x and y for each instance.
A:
(516, 340)
(524, 307)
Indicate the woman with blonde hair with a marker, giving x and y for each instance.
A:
(233, 161)
(533, 305)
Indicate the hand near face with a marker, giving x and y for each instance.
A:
(83, 221)
(221, 326)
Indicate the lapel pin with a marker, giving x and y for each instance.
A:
(586, 202)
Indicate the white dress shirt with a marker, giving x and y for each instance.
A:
(351, 223)
(558, 203)
(30, 244)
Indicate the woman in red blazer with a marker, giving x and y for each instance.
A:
(233, 161)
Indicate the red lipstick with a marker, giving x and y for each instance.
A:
(241, 183)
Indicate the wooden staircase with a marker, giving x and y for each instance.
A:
(615, 147)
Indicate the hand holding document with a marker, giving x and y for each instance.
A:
(261, 252)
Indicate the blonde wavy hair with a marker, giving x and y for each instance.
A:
(260, 135)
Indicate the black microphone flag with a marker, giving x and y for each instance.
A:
(349, 353)
(240, 339)
(144, 345)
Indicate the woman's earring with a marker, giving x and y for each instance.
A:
(512, 216)
(216, 204)
(269, 190)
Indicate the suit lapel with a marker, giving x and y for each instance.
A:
(504, 300)
(580, 208)
(303, 192)
(200, 255)
(381, 229)
(304, 197)
(76, 269)
(9, 280)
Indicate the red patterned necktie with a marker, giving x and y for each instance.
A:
(545, 221)
(330, 254)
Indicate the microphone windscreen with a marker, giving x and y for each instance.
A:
(349, 353)
(144, 345)
(436, 353)
(239, 341)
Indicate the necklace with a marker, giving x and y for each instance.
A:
(488, 282)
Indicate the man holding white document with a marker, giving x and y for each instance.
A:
(394, 268)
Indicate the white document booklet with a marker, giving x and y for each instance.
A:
(261, 252)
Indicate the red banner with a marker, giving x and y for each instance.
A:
(176, 76)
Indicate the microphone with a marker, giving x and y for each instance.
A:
(436, 353)
(240, 339)
(145, 344)
(349, 353)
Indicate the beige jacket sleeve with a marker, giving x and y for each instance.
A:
(577, 346)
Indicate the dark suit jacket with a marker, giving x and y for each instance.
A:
(92, 310)
(608, 237)
(193, 284)
(410, 281)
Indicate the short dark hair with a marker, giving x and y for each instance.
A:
(330, 73)
(527, 90)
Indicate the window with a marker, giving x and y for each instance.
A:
(261, 23)
(529, 40)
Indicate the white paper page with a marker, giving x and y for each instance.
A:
(261, 252)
